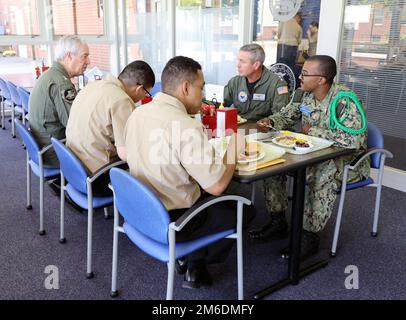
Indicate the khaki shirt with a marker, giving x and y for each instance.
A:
(290, 33)
(270, 95)
(49, 107)
(170, 152)
(96, 122)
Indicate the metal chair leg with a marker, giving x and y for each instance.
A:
(29, 206)
(89, 272)
(114, 292)
(62, 238)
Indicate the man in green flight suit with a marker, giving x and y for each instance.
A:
(310, 105)
(256, 92)
(53, 94)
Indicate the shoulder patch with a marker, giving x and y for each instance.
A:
(282, 90)
(69, 94)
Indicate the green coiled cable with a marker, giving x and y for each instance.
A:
(338, 123)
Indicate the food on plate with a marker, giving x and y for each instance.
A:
(251, 152)
(301, 136)
(302, 144)
(287, 141)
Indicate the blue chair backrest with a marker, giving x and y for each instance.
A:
(29, 141)
(156, 88)
(4, 90)
(71, 167)
(15, 97)
(139, 206)
(25, 98)
(375, 140)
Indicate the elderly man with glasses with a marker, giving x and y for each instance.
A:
(95, 130)
(310, 106)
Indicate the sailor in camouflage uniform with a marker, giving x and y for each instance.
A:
(310, 105)
(53, 94)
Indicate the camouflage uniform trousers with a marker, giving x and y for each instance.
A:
(320, 195)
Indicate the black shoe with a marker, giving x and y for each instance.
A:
(277, 228)
(180, 266)
(309, 246)
(197, 277)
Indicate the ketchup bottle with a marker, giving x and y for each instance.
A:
(37, 72)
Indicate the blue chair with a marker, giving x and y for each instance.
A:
(377, 154)
(25, 99)
(79, 189)
(35, 163)
(147, 224)
(5, 101)
(155, 89)
(17, 105)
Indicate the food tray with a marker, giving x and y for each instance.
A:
(317, 143)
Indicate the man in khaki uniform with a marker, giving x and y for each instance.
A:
(95, 130)
(170, 152)
(256, 92)
(53, 94)
(290, 35)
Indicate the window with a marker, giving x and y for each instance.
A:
(207, 31)
(81, 17)
(99, 56)
(148, 33)
(18, 17)
(373, 64)
(379, 15)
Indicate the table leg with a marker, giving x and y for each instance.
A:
(294, 272)
(296, 224)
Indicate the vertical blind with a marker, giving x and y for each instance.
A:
(373, 61)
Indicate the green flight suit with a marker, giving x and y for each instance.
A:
(322, 179)
(270, 95)
(50, 103)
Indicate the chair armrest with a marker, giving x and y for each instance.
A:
(366, 154)
(104, 169)
(199, 207)
(45, 149)
(48, 147)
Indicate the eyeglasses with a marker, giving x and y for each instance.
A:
(149, 95)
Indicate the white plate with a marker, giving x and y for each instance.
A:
(260, 156)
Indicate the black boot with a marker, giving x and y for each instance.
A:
(197, 276)
(275, 229)
(181, 266)
(309, 246)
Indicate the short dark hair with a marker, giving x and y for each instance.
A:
(314, 24)
(179, 69)
(138, 72)
(327, 66)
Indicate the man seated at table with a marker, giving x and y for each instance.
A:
(170, 152)
(95, 130)
(256, 92)
(53, 94)
(310, 106)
